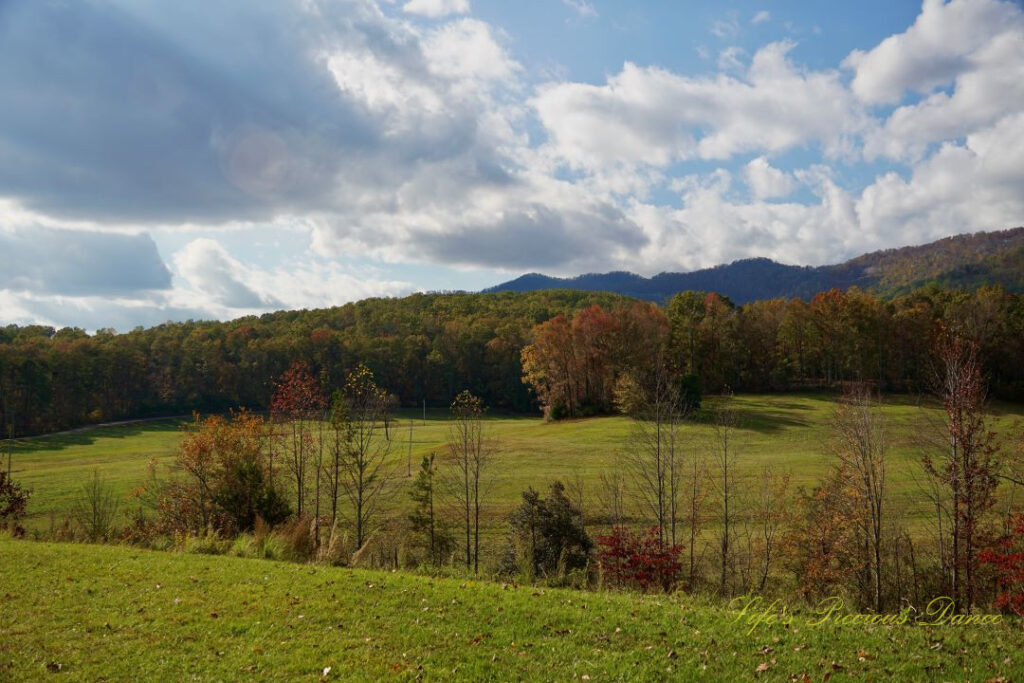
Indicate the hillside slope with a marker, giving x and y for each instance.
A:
(963, 261)
(95, 612)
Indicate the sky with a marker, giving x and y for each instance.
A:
(194, 160)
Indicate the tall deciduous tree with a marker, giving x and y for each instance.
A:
(655, 450)
(861, 448)
(470, 454)
(724, 477)
(363, 463)
(968, 466)
(296, 403)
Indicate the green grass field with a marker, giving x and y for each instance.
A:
(114, 613)
(788, 431)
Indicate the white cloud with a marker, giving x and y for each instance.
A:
(761, 17)
(436, 8)
(466, 49)
(960, 188)
(653, 116)
(932, 52)
(582, 8)
(210, 269)
(730, 59)
(711, 227)
(727, 27)
(988, 86)
(214, 280)
(766, 181)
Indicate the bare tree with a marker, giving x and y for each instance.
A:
(655, 448)
(724, 456)
(696, 486)
(576, 492)
(470, 455)
(861, 448)
(769, 517)
(360, 466)
(612, 494)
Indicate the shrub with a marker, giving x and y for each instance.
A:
(638, 561)
(547, 538)
(208, 543)
(93, 513)
(13, 503)
(1007, 558)
(227, 484)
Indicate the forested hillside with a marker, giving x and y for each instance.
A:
(962, 262)
(430, 347)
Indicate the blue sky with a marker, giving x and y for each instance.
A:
(163, 161)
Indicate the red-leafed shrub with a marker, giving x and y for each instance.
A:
(638, 561)
(1007, 558)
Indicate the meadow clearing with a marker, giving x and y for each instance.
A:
(789, 432)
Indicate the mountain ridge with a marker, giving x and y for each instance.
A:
(966, 261)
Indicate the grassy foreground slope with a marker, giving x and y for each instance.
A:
(112, 612)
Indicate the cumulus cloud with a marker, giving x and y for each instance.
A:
(961, 187)
(210, 269)
(761, 17)
(730, 59)
(467, 49)
(216, 281)
(987, 77)
(932, 52)
(767, 182)
(436, 8)
(653, 116)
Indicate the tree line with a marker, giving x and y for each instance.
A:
(573, 349)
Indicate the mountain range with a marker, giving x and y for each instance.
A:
(962, 261)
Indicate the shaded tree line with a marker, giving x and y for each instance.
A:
(572, 347)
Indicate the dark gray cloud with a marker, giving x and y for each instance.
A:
(171, 111)
(537, 236)
(79, 263)
(153, 112)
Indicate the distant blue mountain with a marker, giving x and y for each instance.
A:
(963, 261)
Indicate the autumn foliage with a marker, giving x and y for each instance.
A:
(1006, 558)
(226, 487)
(641, 561)
(573, 364)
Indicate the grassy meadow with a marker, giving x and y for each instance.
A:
(790, 432)
(111, 612)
